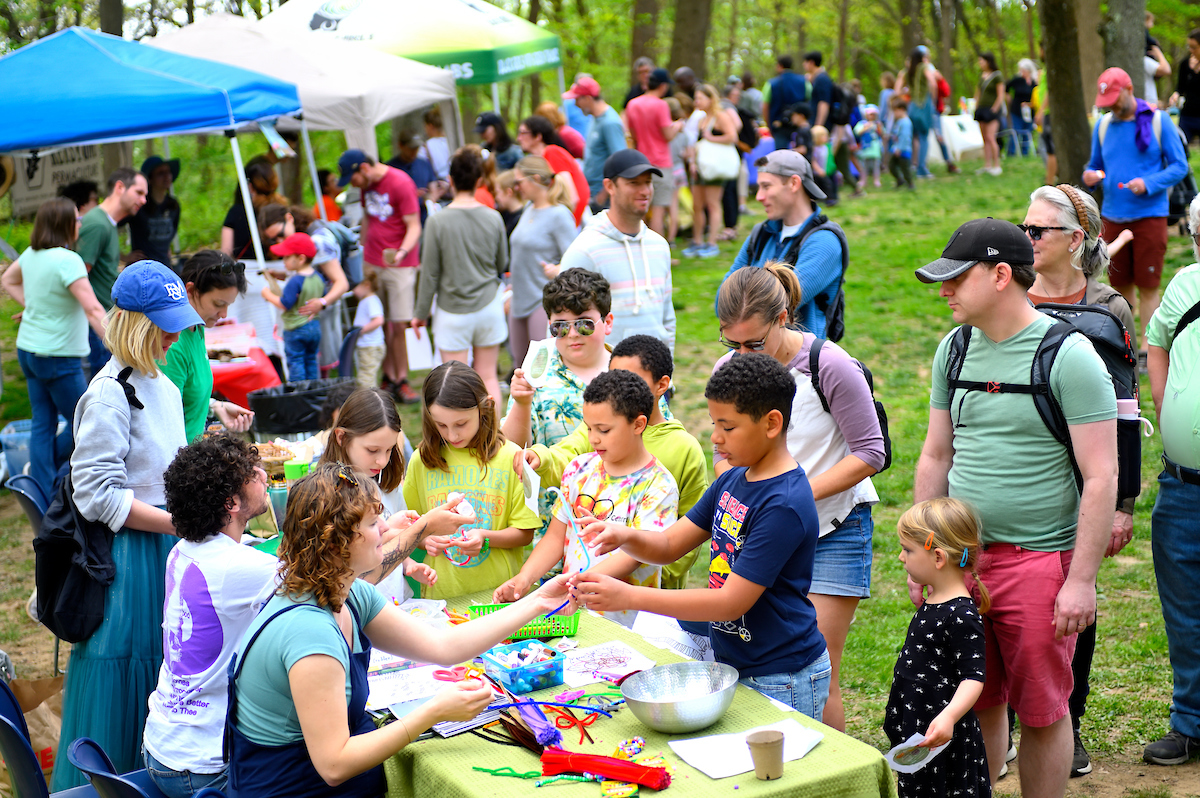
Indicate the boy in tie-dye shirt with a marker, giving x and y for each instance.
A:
(619, 481)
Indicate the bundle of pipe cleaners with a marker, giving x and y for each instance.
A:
(556, 761)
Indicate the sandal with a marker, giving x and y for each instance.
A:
(728, 234)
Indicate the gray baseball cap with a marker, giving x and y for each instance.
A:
(786, 163)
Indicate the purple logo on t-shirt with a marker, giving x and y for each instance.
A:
(192, 633)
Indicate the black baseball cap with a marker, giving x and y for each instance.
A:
(628, 164)
(658, 77)
(488, 119)
(990, 240)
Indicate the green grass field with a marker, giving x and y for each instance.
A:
(893, 324)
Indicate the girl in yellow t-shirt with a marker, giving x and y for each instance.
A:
(463, 451)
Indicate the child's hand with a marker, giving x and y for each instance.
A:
(529, 456)
(601, 536)
(520, 390)
(551, 270)
(511, 590)
(420, 572)
(595, 591)
(467, 541)
(939, 732)
(267, 293)
(436, 545)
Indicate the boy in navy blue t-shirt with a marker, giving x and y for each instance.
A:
(762, 523)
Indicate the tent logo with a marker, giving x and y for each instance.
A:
(330, 14)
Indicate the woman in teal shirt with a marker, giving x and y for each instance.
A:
(50, 282)
(213, 280)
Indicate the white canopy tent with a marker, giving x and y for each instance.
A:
(341, 86)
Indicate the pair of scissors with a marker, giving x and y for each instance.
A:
(456, 674)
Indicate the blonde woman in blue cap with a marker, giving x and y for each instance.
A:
(128, 426)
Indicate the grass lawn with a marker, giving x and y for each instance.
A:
(894, 324)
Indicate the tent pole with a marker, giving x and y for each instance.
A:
(312, 167)
(496, 98)
(251, 217)
(562, 89)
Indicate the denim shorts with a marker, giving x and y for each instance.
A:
(181, 783)
(806, 690)
(843, 562)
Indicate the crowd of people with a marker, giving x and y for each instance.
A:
(555, 239)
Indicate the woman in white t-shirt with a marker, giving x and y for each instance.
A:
(51, 283)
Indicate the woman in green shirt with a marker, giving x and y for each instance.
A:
(213, 280)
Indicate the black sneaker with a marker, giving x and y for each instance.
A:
(1174, 749)
(1081, 765)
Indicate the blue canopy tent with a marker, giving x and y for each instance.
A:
(79, 86)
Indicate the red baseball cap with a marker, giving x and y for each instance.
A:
(584, 87)
(1111, 81)
(296, 244)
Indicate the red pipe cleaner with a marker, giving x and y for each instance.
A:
(556, 761)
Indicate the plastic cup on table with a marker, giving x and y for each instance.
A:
(766, 749)
(293, 471)
(278, 498)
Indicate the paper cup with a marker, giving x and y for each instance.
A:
(1128, 408)
(766, 749)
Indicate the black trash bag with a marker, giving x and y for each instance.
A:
(292, 407)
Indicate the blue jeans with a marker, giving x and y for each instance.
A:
(55, 385)
(806, 690)
(1020, 130)
(1175, 542)
(301, 347)
(98, 355)
(181, 783)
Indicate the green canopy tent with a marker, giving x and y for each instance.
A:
(477, 41)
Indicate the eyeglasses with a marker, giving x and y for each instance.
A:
(561, 329)
(1035, 232)
(228, 266)
(753, 346)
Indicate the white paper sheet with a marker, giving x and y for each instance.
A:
(394, 687)
(583, 665)
(662, 631)
(719, 756)
(907, 757)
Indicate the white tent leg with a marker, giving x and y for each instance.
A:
(312, 167)
(248, 203)
(496, 98)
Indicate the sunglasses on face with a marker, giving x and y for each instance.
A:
(753, 346)
(1036, 232)
(561, 329)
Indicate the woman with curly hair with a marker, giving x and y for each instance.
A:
(305, 657)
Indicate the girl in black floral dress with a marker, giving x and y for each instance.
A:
(940, 672)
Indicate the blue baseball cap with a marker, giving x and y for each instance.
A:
(151, 288)
(348, 164)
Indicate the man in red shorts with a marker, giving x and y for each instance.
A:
(1137, 156)
(1043, 539)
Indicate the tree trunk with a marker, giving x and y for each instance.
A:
(535, 79)
(911, 33)
(946, 50)
(190, 8)
(1125, 44)
(731, 46)
(843, 30)
(962, 17)
(645, 29)
(993, 16)
(112, 16)
(1091, 45)
(1031, 41)
(1069, 96)
(692, 19)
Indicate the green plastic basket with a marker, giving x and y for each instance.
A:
(542, 626)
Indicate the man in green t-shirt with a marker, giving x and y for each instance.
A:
(100, 246)
(1042, 539)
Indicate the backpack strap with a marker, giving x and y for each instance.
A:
(1102, 127)
(756, 242)
(814, 365)
(1189, 317)
(130, 393)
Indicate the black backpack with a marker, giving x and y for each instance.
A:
(1111, 341)
(833, 307)
(73, 564)
(814, 362)
(841, 105)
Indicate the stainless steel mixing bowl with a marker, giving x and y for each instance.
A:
(682, 696)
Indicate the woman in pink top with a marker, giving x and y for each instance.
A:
(537, 136)
(572, 141)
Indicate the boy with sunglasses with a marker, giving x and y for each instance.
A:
(619, 480)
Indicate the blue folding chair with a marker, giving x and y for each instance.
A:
(89, 757)
(23, 769)
(345, 363)
(209, 792)
(11, 711)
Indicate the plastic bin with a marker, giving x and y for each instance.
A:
(292, 407)
(14, 439)
(526, 678)
(541, 626)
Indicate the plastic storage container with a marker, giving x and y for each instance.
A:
(292, 407)
(541, 626)
(525, 678)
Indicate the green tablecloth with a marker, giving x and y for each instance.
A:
(839, 767)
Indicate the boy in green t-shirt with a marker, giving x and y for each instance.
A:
(301, 333)
(666, 439)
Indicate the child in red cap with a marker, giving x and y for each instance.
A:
(301, 333)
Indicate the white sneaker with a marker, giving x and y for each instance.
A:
(996, 170)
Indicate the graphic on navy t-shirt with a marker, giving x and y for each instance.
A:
(727, 542)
